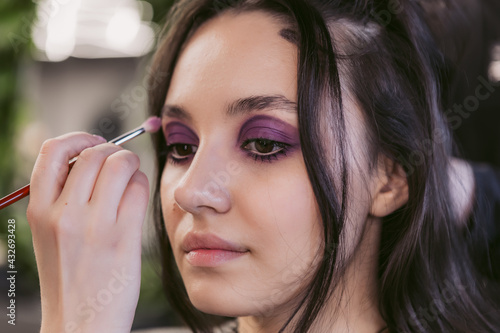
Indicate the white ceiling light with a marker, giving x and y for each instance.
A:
(123, 27)
(93, 29)
(60, 37)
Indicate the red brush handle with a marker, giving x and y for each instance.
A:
(15, 196)
(21, 193)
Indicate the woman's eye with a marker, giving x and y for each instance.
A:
(183, 150)
(262, 146)
(179, 152)
(264, 149)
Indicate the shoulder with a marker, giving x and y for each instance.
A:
(475, 192)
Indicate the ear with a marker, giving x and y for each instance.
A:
(390, 188)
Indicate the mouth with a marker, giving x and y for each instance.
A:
(209, 250)
(212, 257)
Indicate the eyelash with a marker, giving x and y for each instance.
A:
(267, 157)
(264, 158)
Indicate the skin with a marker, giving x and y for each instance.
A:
(86, 225)
(254, 218)
(86, 229)
(267, 208)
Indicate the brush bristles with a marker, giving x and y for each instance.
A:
(152, 124)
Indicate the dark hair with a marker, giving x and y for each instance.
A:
(387, 59)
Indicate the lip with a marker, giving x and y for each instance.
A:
(209, 250)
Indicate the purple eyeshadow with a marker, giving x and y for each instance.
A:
(267, 127)
(176, 132)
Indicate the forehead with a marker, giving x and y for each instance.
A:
(236, 55)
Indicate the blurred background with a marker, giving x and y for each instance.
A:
(71, 65)
(83, 65)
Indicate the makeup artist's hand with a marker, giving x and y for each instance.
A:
(86, 228)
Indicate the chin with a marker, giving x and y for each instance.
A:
(220, 298)
(220, 305)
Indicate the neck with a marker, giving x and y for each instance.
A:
(352, 307)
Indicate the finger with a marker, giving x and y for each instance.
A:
(51, 167)
(133, 206)
(83, 176)
(112, 182)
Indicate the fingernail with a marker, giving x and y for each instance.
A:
(100, 138)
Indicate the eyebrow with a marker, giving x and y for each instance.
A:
(239, 106)
(290, 35)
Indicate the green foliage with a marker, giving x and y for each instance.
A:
(16, 18)
(160, 8)
(14, 43)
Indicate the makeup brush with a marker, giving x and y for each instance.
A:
(151, 125)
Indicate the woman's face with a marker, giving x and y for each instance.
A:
(237, 202)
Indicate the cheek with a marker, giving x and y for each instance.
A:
(172, 214)
(282, 212)
(274, 214)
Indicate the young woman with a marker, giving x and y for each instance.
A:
(305, 183)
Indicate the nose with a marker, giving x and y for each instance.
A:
(205, 185)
